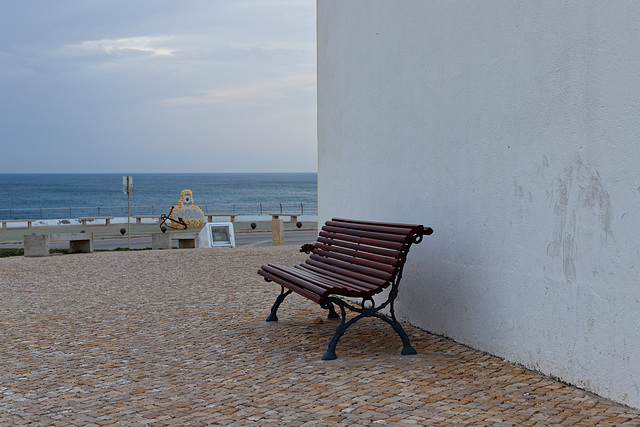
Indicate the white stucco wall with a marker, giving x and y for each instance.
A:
(513, 129)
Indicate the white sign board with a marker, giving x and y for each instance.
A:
(217, 234)
(127, 184)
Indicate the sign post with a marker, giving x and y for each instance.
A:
(127, 188)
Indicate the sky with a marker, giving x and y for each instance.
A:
(135, 86)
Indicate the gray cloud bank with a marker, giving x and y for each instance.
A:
(157, 86)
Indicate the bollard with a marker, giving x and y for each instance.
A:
(277, 232)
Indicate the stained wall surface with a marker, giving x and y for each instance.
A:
(513, 129)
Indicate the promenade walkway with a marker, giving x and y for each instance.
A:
(108, 237)
(178, 338)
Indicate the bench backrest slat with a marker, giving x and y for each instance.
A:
(373, 243)
(415, 227)
(365, 251)
(370, 234)
(400, 229)
(355, 251)
(390, 253)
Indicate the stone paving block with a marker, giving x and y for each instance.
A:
(133, 340)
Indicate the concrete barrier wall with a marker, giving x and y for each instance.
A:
(36, 245)
(511, 128)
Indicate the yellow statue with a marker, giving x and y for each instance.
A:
(192, 216)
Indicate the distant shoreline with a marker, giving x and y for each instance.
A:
(147, 221)
(64, 196)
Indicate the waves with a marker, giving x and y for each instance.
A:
(53, 196)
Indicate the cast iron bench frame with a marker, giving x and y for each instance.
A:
(351, 259)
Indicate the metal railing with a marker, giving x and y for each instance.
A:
(251, 209)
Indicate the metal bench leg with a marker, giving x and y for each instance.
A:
(406, 342)
(407, 349)
(331, 350)
(364, 312)
(272, 317)
(332, 312)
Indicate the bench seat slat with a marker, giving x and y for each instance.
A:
(290, 285)
(369, 287)
(333, 286)
(389, 253)
(399, 246)
(325, 285)
(353, 259)
(349, 273)
(281, 271)
(313, 285)
(338, 283)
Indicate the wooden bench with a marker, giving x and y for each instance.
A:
(139, 218)
(5, 221)
(293, 218)
(84, 220)
(231, 216)
(353, 259)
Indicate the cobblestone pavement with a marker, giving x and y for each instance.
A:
(179, 338)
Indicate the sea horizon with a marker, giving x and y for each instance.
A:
(73, 194)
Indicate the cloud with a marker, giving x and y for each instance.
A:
(156, 46)
(55, 58)
(250, 92)
(225, 76)
(273, 46)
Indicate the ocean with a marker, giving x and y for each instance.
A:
(61, 196)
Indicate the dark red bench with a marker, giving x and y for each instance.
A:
(352, 259)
